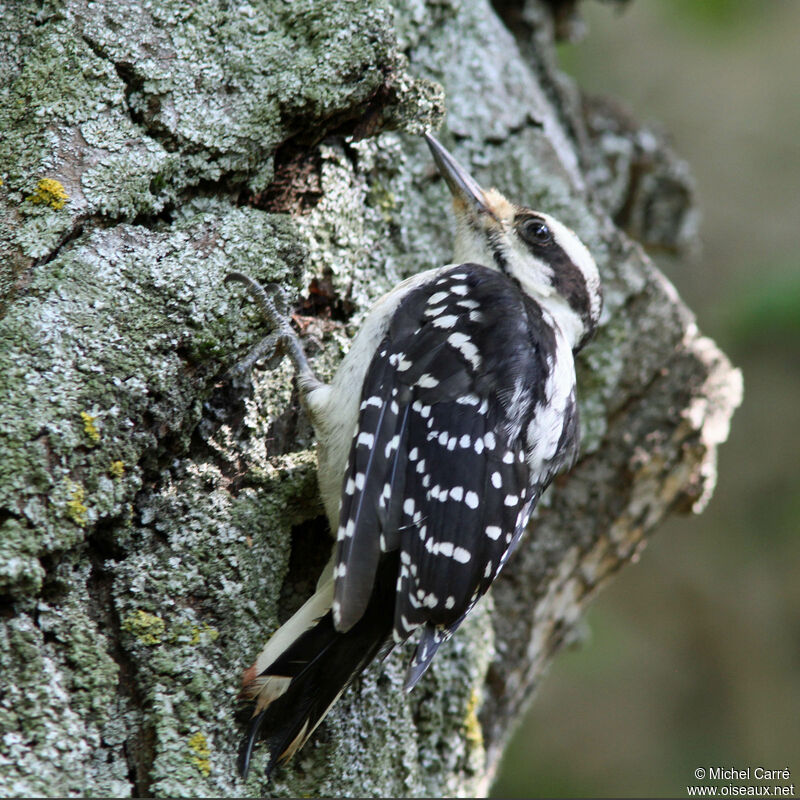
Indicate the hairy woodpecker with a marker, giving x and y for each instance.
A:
(450, 415)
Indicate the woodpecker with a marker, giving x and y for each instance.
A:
(452, 412)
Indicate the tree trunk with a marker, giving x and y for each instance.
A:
(159, 519)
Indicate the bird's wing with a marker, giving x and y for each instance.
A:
(437, 469)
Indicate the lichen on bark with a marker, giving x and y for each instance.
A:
(159, 516)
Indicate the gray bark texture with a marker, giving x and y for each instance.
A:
(158, 519)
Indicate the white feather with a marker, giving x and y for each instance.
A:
(305, 618)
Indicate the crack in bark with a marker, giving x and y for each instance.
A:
(139, 746)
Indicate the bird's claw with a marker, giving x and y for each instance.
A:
(265, 298)
(282, 340)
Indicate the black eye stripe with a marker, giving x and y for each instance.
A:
(570, 283)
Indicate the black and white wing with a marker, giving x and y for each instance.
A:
(438, 476)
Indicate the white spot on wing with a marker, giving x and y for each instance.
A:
(447, 321)
(493, 532)
(427, 381)
(468, 303)
(367, 439)
(434, 312)
(461, 555)
(466, 347)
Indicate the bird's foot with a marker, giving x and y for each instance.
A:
(282, 340)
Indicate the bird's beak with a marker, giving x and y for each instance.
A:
(463, 186)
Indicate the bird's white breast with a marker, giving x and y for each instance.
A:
(545, 429)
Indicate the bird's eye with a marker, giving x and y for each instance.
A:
(536, 232)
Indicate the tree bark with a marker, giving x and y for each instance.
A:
(159, 518)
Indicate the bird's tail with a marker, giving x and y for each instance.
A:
(302, 671)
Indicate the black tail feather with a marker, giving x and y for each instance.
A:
(246, 747)
(321, 663)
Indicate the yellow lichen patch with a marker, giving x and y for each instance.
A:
(472, 725)
(201, 753)
(116, 469)
(76, 508)
(49, 192)
(203, 632)
(90, 429)
(145, 627)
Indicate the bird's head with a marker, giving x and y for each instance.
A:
(546, 259)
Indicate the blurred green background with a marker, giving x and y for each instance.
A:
(693, 655)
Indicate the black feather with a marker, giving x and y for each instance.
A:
(322, 663)
(360, 551)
